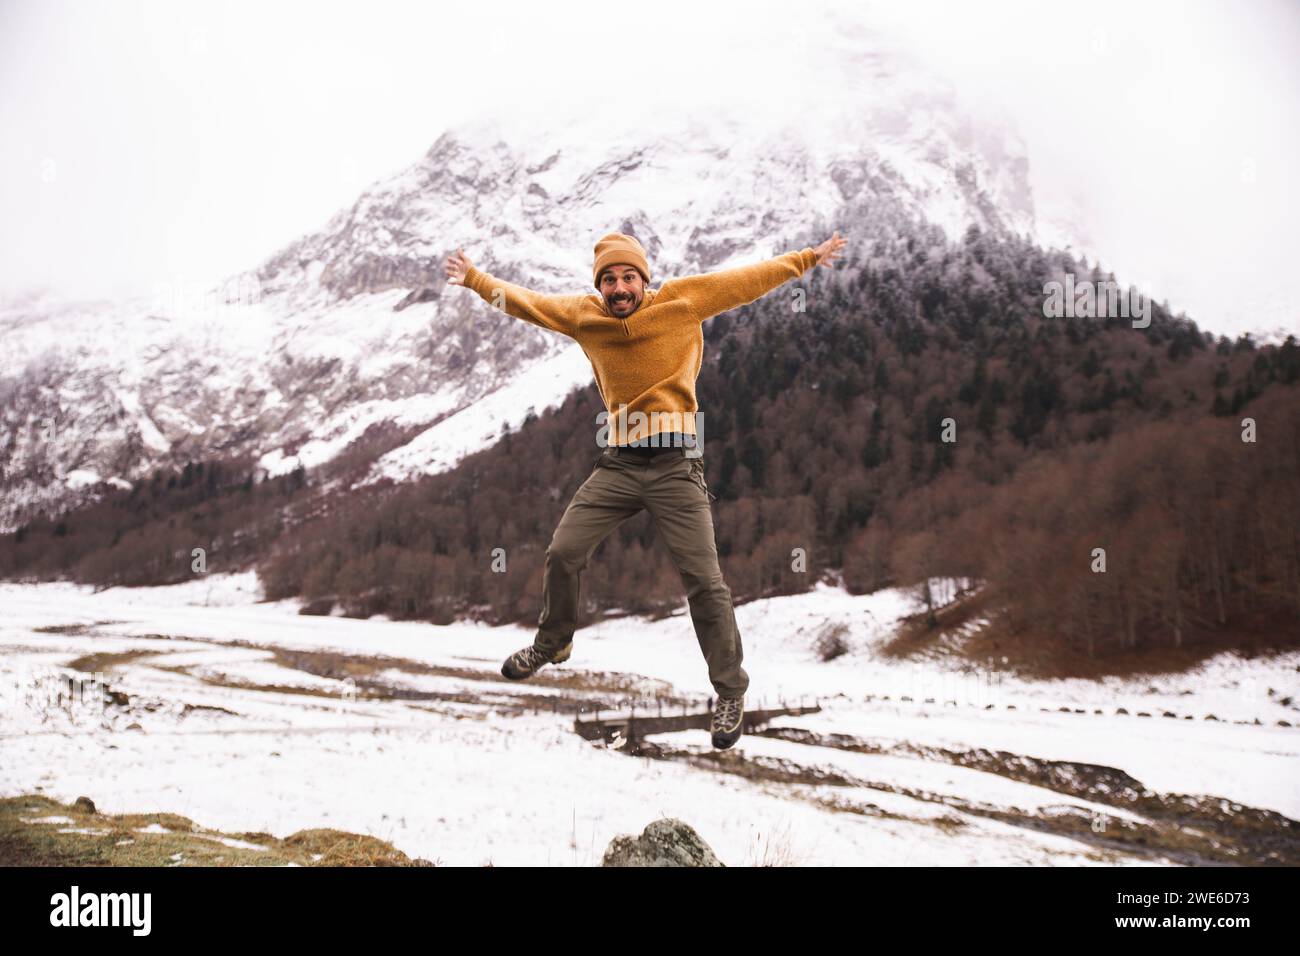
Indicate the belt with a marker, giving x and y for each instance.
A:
(672, 442)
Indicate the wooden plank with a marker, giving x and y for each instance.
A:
(631, 727)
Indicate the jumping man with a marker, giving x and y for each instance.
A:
(645, 347)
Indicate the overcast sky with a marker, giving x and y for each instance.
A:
(154, 142)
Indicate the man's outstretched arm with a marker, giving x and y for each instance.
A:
(558, 313)
(712, 293)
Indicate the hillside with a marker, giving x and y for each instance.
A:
(824, 431)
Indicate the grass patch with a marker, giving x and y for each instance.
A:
(32, 834)
(99, 663)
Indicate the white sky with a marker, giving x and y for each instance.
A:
(168, 142)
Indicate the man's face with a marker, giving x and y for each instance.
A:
(623, 289)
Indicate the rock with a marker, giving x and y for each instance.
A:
(665, 842)
(417, 295)
(320, 606)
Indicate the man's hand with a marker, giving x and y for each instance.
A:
(829, 250)
(456, 266)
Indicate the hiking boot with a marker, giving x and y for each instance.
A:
(728, 721)
(525, 663)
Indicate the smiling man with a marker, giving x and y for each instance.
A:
(645, 347)
(623, 288)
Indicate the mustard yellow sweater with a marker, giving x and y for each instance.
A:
(649, 361)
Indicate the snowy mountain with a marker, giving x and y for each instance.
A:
(350, 328)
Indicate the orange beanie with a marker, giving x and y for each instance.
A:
(617, 248)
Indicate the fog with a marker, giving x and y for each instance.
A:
(152, 142)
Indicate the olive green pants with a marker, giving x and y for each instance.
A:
(672, 488)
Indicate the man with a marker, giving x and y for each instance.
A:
(645, 347)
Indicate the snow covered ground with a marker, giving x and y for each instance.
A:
(247, 716)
